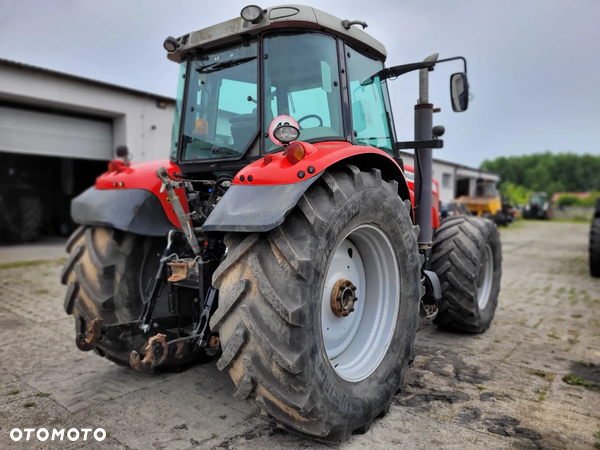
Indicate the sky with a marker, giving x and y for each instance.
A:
(533, 66)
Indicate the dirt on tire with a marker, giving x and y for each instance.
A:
(268, 318)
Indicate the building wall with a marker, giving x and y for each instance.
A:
(447, 174)
(137, 121)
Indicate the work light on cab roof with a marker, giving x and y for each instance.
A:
(252, 14)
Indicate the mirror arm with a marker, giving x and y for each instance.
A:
(454, 59)
(396, 71)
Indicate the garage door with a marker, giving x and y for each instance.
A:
(23, 131)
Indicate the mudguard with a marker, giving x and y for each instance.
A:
(128, 198)
(255, 208)
(262, 194)
(135, 210)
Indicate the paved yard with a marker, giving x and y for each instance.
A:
(502, 389)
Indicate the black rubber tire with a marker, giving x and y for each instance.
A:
(457, 251)
(595, 248)
(269, 315)
(26, 219)
(103, 275)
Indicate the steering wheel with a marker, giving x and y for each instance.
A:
(310, 116)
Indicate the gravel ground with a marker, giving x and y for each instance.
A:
(503, 389)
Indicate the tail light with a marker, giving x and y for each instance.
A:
(295, 153)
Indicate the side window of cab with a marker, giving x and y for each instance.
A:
(369, 103)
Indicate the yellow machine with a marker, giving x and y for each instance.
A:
(485, 203)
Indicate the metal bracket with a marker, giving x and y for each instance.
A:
(433, 143)
(204, 318)
(156, 352)
(347, 24)
(88, 340)
(433, 284)
(156, 285)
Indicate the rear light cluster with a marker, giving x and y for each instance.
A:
(295, 153)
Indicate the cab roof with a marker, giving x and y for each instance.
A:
(278, 17)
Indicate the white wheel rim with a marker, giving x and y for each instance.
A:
(486, 274)
(356, 344)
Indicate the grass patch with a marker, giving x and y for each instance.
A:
(542, 395)
(576, 381)
(13, 392)
(575, 219)
(497, 341)
(597, 437)
(38, 262)
(41, 291)
(43, 394)
(28, 405)
(549, 376)
(554, 336)
(223, 416)
(539, 322)
(481, 387)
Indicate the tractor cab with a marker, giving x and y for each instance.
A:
(236, 77)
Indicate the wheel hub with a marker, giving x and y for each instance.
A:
(343, 298)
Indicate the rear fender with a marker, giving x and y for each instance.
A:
(129, 199)
(262, 194)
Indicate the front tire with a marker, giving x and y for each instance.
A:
(275, 318)
(467, 258)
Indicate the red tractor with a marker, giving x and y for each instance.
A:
(283, 234)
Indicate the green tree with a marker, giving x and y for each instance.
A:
(547, 172)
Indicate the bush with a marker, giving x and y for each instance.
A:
(568, 200)
(590, 201)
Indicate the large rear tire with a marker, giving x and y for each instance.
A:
(285, 349)
(25, 218)
(106, 273)
(595, 248)
(467, 258)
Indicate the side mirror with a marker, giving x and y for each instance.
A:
(459, 92)
(122, 151)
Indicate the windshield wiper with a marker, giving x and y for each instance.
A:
(215, 67)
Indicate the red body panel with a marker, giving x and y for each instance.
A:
(142, 176)
(278, 171)
(409, 172)
(320, 156)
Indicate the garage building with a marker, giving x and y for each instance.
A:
(57, 132)
(454, 179)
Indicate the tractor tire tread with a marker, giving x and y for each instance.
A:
(455, 256)
(261, 320)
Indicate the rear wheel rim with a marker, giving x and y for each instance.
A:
(486, 272)
(357, 343)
